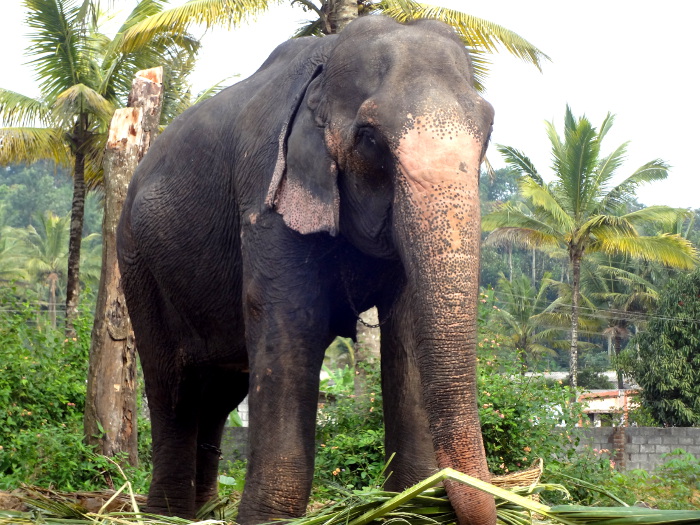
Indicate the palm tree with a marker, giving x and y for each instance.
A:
(629, 289)
(583, 212)
(83, 76)
(330, 16)
(523, 310)
(10, 251)
(47, 251)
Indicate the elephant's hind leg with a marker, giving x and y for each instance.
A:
(161, 343)
(222, 392)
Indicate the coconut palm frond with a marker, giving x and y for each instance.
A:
(476, 33)
(650, 172)
(597, 227)
(520, 162)
(525, 237)
(665, 217)
(80, 99)
(56, 45)
(542, 350)
(669, 250)
(520, 218)
(607, 167)
(177, 20)
(544, 200)
(312, 28)
(27, 145)
(479, 36)
(19, 110)
(94, 158)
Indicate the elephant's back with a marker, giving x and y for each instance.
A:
(181, 219)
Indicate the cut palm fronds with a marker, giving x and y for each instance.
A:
(623, 515)
(423, 504)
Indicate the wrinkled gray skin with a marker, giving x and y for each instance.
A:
(343, 174)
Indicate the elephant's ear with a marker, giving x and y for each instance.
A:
(304, 188)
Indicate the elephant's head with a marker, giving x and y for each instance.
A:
(385, 147)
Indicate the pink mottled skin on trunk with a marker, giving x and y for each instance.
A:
(427, 158)
(438, 222)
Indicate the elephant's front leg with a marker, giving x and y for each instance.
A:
(407, 435)
(286, 333)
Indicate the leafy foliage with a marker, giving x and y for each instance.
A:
(673, 485)
(522, 417)
(42, 392)
(582, 211)
(350, 432)
(667, 365)
(578, 471)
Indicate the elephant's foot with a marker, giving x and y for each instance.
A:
(161, 504)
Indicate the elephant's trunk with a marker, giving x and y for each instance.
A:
(437, 225)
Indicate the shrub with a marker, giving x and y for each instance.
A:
(522, 417)
(675, 484)
(581, 472)
(350, 432)
(666, 362)
(42, 395)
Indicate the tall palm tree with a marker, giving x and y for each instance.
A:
(83, 76)
(583, 212)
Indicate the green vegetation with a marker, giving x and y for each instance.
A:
(83, 76)
(42, 392)
(581, 212)
(665, 358)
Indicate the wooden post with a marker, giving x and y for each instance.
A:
(367, 348)
(110, 408)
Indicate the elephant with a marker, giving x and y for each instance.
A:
(342, 175)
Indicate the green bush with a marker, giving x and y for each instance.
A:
(581, 472)
(675, 484)
(350, 432)
(522, 417)
(665, 358)
(42, 395)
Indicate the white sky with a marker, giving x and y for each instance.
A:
(634, 58)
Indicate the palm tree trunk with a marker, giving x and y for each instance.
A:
(523, 357)
(76, 235)
(534, 269)
(510, 262)
(52, 298)
(573, 352)
(621, 328)
(338, 14)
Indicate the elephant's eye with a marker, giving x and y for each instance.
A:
(368, 142)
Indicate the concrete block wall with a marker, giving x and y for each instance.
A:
(633, 447)
(642, 447)
(645, 447)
